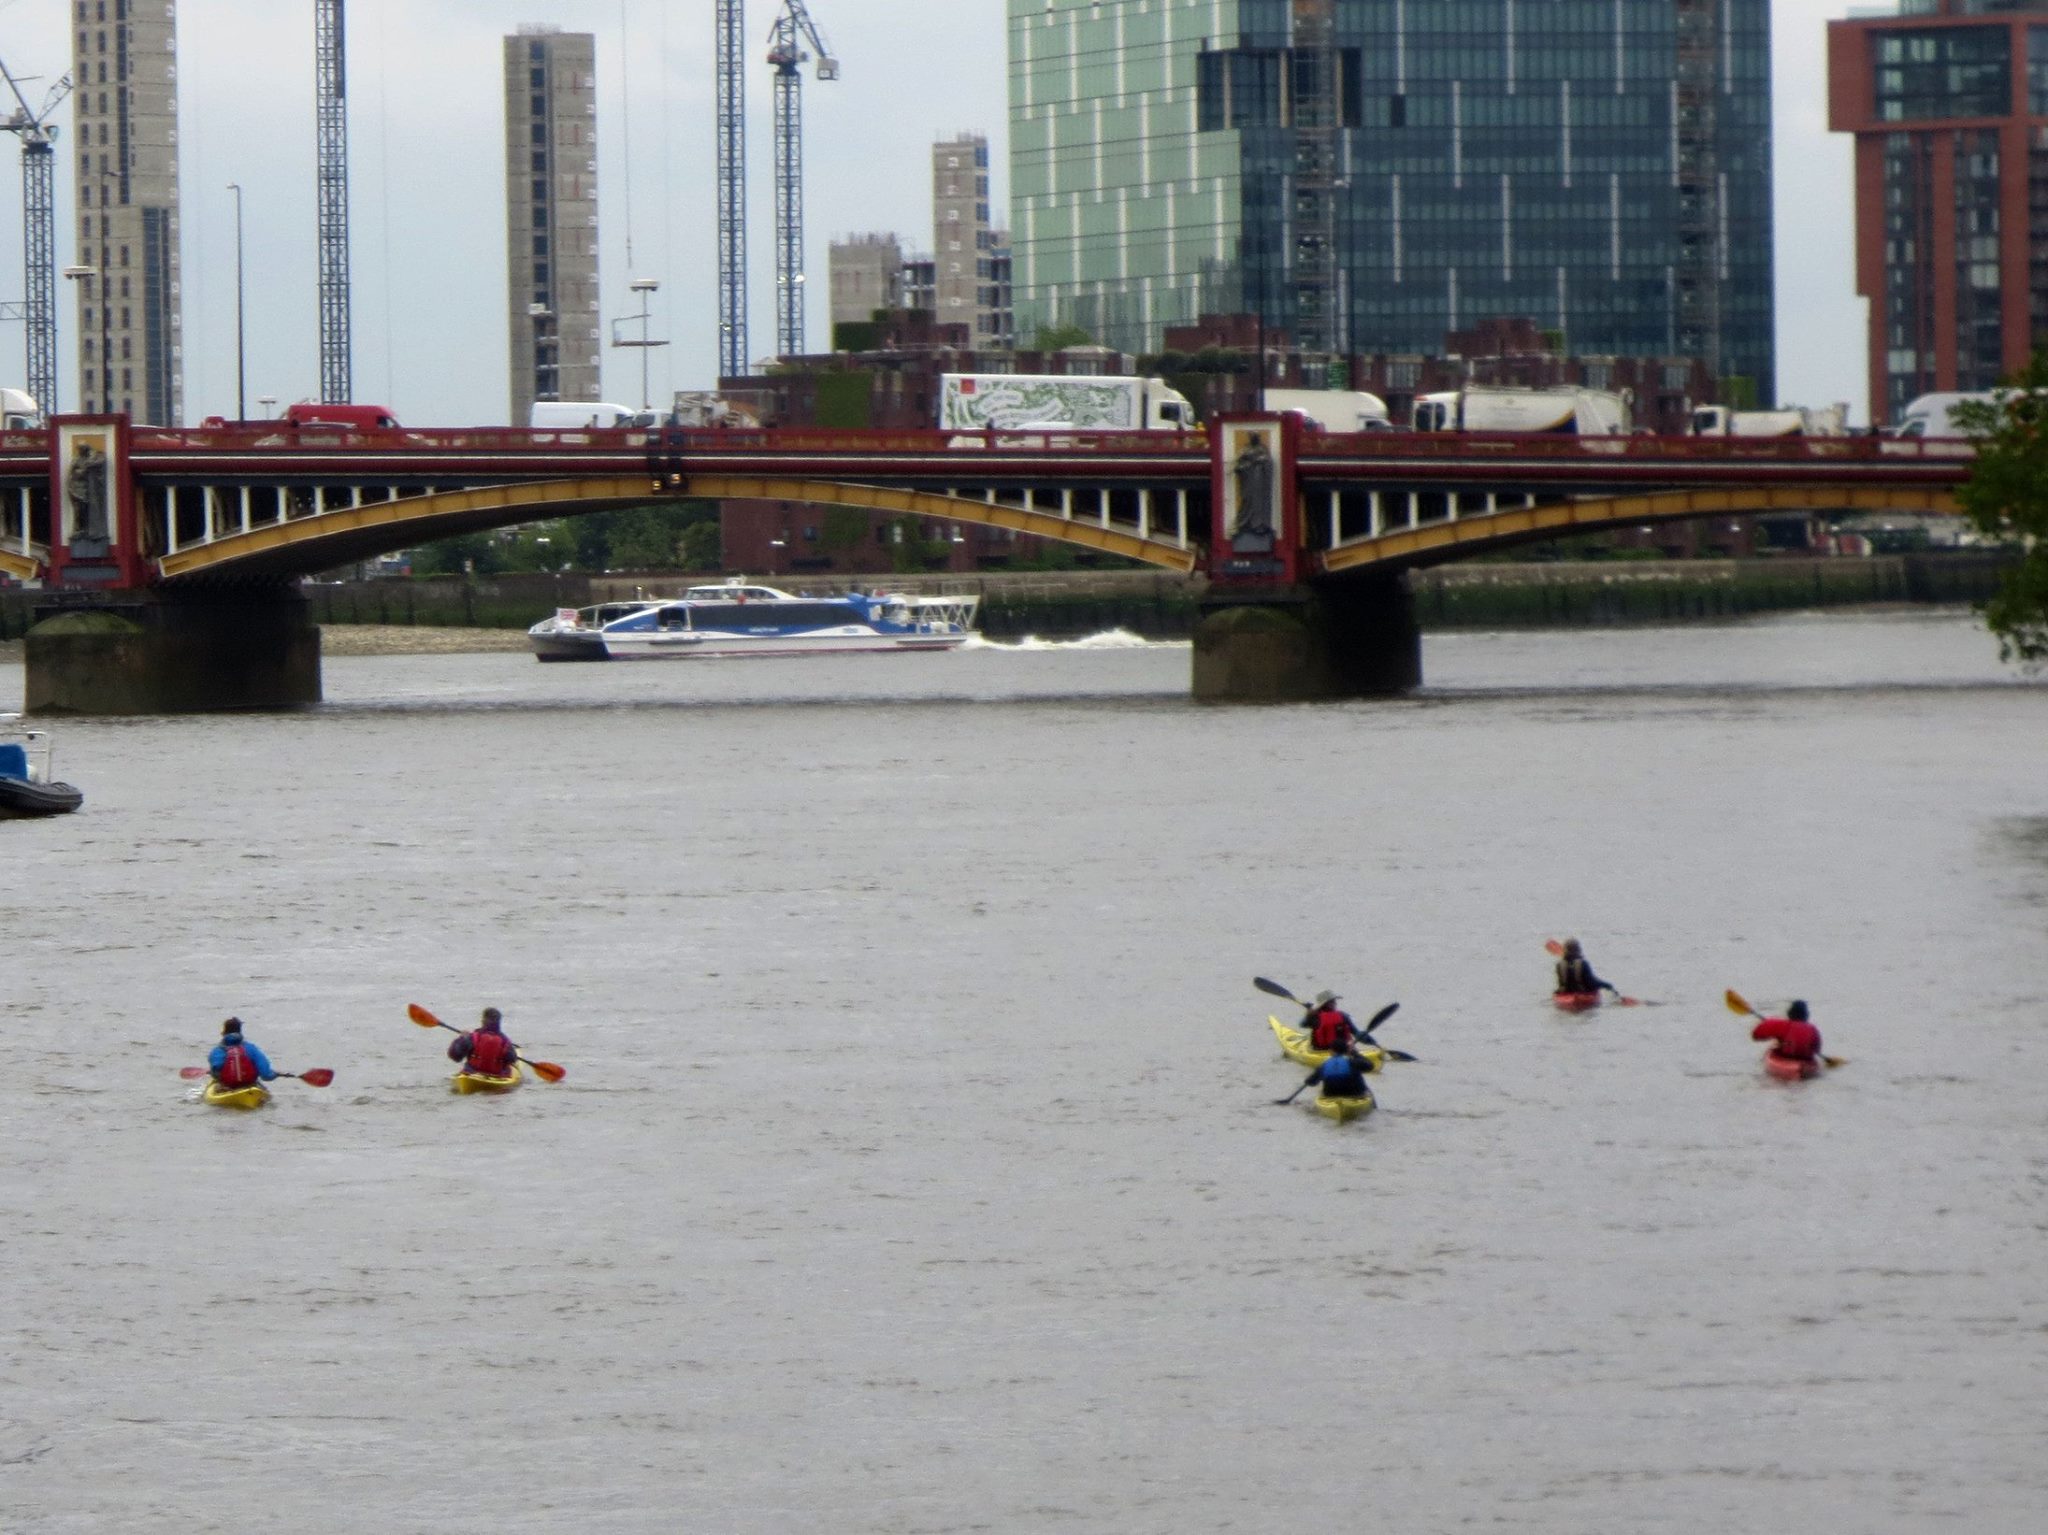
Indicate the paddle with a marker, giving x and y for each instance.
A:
(1557, 951)
(319, 1076)
(547, 1071)
(1312, 1076)
(1735, 1004)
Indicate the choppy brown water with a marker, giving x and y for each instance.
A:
(917, 1170)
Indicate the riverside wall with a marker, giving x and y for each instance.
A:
(1069, 604)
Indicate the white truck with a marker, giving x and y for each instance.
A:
(1060, 402)
(1567, 408)
(1786, 421)
(1334, 410)
(19, 411)
(1929, 415)
(707, 407)
(581, 415)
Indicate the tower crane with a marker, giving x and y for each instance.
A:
(39, 233)
(792, 29)
(728, 54)
(330, 115)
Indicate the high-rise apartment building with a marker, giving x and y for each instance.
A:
(1371, 175)
(130, 346)
(551, 216)
(1948, 102)
(965, 240)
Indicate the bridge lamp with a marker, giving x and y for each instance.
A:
(266, 401)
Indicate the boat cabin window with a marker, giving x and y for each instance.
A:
(675, 618)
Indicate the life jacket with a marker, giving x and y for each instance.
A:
(1342, 1078)
(490, 1054)
(236, 1068)
(1792, 1038)
(1329, 1029)
(1574, 975)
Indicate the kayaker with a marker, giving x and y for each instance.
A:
(1341, 1076)
(484, 1050)
(1328, 1026)
(1575, 975)
(1791, 1036)
(235, 1062)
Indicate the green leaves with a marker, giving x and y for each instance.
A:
(2006, 497)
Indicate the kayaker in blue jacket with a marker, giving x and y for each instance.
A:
(235, 1062)
(1342, 1076)
(1575, 975)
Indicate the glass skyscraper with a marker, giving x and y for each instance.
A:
(1370, 175)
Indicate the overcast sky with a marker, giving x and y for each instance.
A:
(426, 161)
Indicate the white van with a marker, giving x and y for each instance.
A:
(580, 415)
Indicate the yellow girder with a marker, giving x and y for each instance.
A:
(543, 498)
(1472, 534)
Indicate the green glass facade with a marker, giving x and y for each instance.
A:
(1601, 167)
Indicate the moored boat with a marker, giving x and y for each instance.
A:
(484, 1082)
(1786, 1069)
(254, 1096)
(1575, 1001)
(1341, 1109)
(738, 618)
(26, 787)
(1295, 1046)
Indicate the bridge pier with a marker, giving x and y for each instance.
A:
(1357, 639)
(134, 653)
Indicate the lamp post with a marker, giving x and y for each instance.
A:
(81, 275)
(266, 401)
(241, 333)
(645, 287)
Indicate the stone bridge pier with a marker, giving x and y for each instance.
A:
(171, 653)
(1271, 630)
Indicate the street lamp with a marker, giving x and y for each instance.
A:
(645, 287)
(241, 348)
(81, 275)
(266, 401)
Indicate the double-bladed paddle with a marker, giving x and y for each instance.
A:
(319, 1076)
(1735, 1004)
(1274, 988)
(547, 1071)
(1557, 952)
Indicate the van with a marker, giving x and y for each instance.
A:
(581, 415)
(361, 418)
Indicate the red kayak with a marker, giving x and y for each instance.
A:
(1575, 1001)
(1786, 1069)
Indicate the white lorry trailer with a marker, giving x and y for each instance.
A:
(18, 411)
(1930, 415)
(1064, 402)
(1334, 410)
(1567, 408)
(579, 415)
(1786, 421)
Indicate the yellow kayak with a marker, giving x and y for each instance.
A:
(1341, 1109)
(478, 1082)
(254, 1096)
(1294, 1045)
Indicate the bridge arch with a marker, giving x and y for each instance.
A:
(1456, 538)
(343, 535)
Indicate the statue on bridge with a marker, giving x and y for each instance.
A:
(1252, 475)
(85, 486)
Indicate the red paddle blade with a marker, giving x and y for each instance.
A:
(1628, 1001)
(319, 1076)
(547, 1071)
(421, 1016)
(193, 1073)
(1553, 946)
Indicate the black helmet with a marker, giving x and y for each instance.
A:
(232, 1026)
(1796, 1012)
(492, 1017)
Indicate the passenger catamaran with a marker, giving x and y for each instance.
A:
(741, 618)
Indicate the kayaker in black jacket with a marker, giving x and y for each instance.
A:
(1328, 1027)
(1575, 973)
(485, 1050)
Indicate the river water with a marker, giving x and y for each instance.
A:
(917, 1167)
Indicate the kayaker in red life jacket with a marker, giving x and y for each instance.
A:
(1792, 1036)
(485, 1051)
(1329, 1028)
(1575, 975)
(235, 1062)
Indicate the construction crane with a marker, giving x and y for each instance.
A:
(330, 112)
(39, 234)
(792, 29)
(728, 53)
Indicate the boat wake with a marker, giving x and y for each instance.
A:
(1109, 639)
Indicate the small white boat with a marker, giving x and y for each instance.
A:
(742, 618)
(26, 787)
